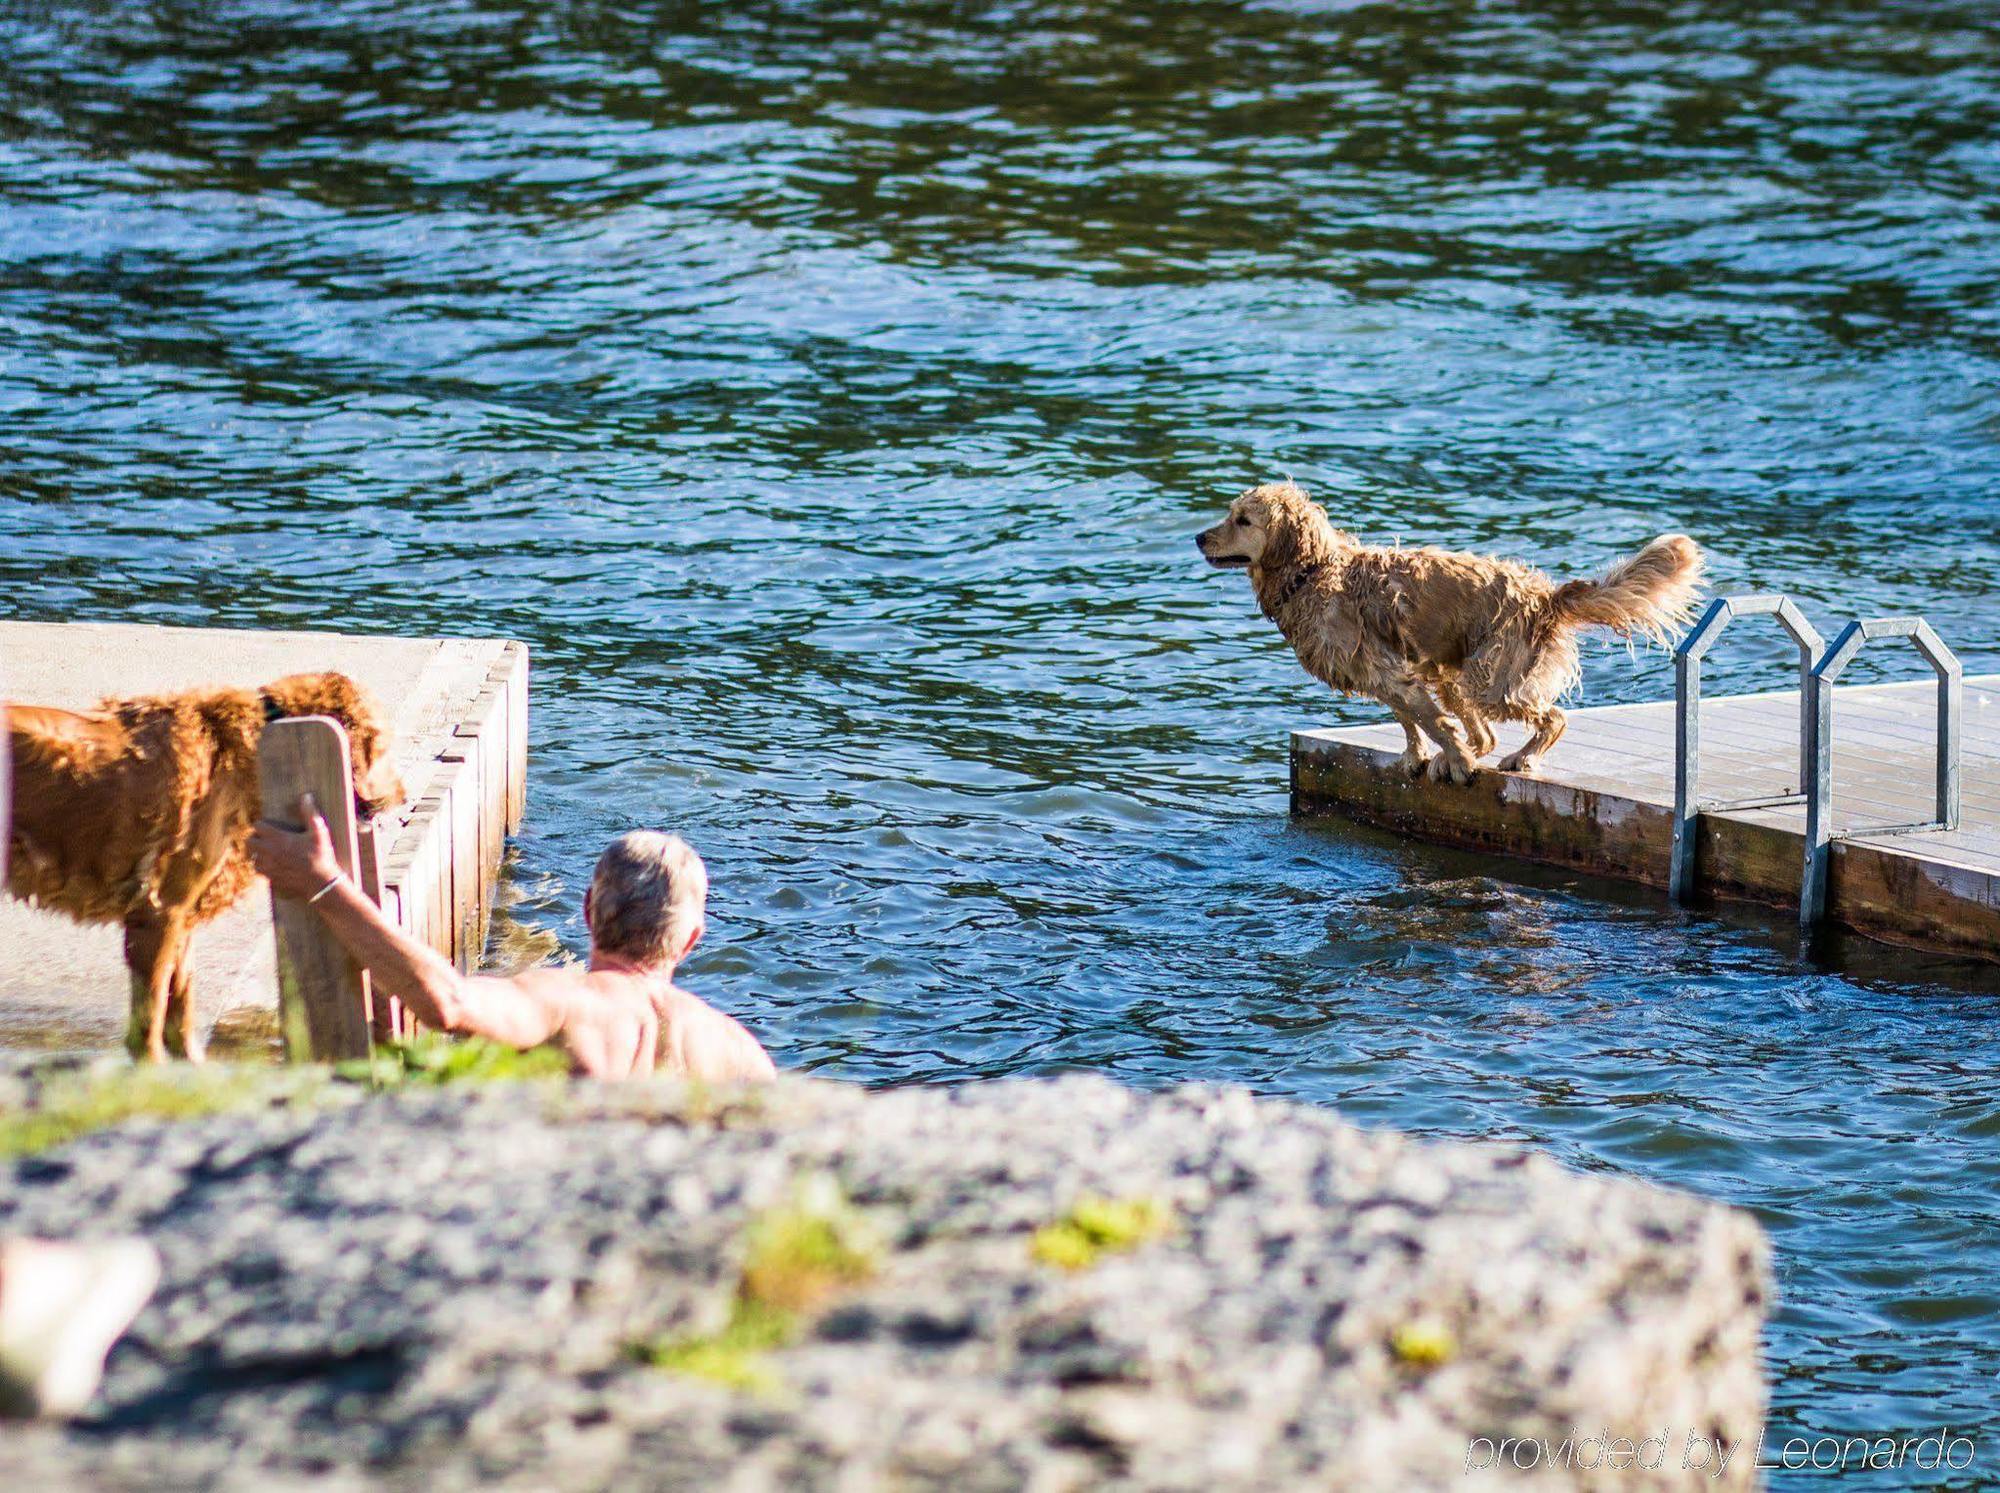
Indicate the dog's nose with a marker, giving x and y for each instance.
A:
(1201, 542)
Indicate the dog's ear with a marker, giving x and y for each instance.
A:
(312, 694)
(325, 694)
(287, 697)
(376, 782)
(1284, 535)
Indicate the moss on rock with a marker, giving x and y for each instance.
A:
(796, 1257)
(69, 1101)
(1095, 1227)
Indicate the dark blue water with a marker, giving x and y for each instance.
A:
(829, 394)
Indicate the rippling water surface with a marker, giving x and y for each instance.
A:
(829, 394)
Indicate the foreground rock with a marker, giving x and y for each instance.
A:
(441, 1289)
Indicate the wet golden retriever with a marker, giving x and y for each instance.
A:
(137, 812)
(1436, 635)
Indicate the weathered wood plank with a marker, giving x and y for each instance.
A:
(517, 735)
(431, 873)
(501, 788)
(467, 880)
(322, 992)
(484, 737)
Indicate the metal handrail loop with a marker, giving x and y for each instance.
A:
(1688, 655)
(1819, 787)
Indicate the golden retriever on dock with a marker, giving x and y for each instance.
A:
(137, 813)
(1433, 634)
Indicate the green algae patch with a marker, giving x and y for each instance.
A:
(795, 1258)
(69, 1104)
(1095, 1227)
(801, 1254)
(1423, 1345)
(432, 1059)
(735, 1357)
(53, 1103)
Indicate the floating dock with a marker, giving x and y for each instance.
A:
(1602, 801)
(458, 710)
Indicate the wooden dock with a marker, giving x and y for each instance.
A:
(459, 714)
(1602, 801)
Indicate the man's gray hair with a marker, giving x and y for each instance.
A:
(647, 896)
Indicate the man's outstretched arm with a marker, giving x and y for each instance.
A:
(302, 865)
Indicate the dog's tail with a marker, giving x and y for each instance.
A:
(1649, 596)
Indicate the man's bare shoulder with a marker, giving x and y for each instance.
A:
(568, 992)
(568, 981)
(545, 988)
(702, 1042)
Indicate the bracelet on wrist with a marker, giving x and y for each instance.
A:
(331, 882)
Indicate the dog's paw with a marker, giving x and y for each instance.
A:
(1443, 770)
(1517, 762)
(1412, 764)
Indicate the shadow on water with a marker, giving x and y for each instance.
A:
(828, 393)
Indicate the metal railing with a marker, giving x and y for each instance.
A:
(1820, 665)
(1687, 721)
(1819, 792)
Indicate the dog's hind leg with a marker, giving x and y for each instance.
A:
(1548, 729)
(154, 949)
(183, 1032)
(1478, 734)
(1408, 696)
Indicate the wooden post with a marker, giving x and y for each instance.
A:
(322, 993)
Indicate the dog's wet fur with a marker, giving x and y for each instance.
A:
(137, 813)
(1449, 642)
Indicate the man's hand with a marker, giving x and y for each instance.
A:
(296, 863)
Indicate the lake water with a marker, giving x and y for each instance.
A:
(829, 395)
